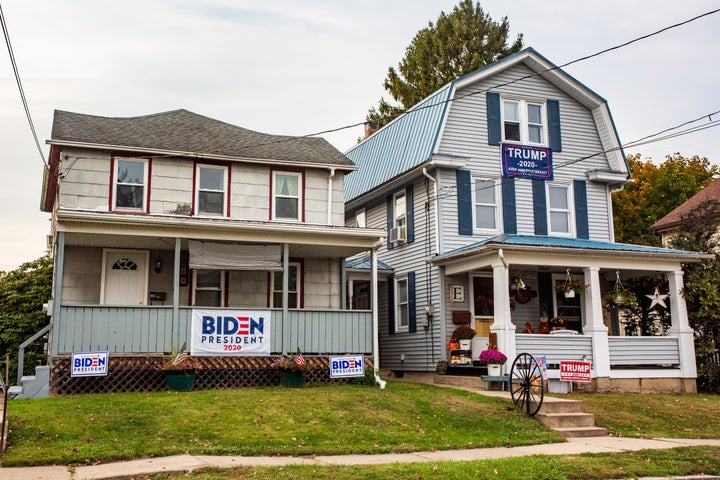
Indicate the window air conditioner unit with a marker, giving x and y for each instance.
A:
(397, 234)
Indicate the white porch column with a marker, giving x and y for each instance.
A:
(502, 324)
(594, 324)
(680, 326)
(374, 306)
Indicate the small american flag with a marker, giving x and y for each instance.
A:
(300, 360)
(181, 357)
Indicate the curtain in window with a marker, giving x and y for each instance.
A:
(226, 256)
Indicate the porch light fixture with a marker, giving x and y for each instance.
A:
(158, 264)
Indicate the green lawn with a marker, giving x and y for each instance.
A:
(327, 420)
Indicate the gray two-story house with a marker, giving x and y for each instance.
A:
(495, 193)
(156, 217)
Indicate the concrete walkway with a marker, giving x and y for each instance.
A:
(186, 463)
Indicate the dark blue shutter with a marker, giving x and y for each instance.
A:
(390, 220)
(494, 122)
(509, 207)
(412, 306)
(581, 209)
(391, 305)
(540, 207)
(410, 214)
(464, 199)
(553, 114)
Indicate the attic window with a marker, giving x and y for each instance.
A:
(523, 122)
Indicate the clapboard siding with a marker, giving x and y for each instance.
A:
(634, 351)
(556, 348)
(118, 329)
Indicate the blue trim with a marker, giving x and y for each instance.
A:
(412, 304)
(410, 213)
(582, 225)
(494, 120)
(391, 305)
(553, 115)
(390, 219)
(540, 207)
(464, 199)
(509, 206)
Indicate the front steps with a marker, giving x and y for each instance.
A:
(33, 386)
(562, 415)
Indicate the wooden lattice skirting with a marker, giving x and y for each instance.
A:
(139, 374)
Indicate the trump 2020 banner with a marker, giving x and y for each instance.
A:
(527, 162)
(230, 332)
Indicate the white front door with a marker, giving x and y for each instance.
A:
(125, 276)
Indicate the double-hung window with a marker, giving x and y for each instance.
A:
(361, 218)
(400, 216)
(486, 205)
(211, 190)
(293, 287)
(208, 288)
(560, 211)
(524, 122)
(401, 303)
(131, 185)
(287, 196)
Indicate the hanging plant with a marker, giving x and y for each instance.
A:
(570, 286)
(620, 296)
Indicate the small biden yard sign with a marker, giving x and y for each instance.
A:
(347, 366)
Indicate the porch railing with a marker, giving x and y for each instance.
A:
(151, 329)
(555, 347)
(644, 352)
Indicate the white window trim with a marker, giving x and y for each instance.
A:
(498, 205)
(396, 217)
(225, 191)
(570, 211)
(361, 218)
(523, 118)
(195, 288)
(398, 326)
(298, 291)
(299, 197)
(145, 183)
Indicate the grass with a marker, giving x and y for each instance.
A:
(646, 463)
(656, 415)
(322, 420)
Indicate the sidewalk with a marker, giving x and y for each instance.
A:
(186, 463)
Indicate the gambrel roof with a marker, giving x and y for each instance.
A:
(184, 133)
(413, 138)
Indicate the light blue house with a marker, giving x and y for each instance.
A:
(503, 178)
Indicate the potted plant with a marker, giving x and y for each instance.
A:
(571, 286)
(441, 367)
(291, 369)
(179, 369)
(557, 323)
(494, 359)
(464, 335)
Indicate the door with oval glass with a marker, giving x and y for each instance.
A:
(125, 277)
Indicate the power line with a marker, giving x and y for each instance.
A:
(20, 87)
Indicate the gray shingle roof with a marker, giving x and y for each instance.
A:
(188, 132)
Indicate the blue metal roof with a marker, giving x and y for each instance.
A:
(562, 242)
(363, 263)
(404, 143)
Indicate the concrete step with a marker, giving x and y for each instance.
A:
(560, 405)
(581, 432)
(566, 420)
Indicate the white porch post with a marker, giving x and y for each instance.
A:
(680, 327)
(502, 324)
(374, 306)
(594, 324)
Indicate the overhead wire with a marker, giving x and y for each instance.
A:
(20, 87)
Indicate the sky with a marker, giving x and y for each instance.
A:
(295, 67)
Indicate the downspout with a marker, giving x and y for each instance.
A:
(329, 196)
(436, 223)
(375, 321)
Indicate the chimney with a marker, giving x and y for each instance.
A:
(370, 128)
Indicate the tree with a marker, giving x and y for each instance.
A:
(22, 294)
(656, 190)
(458, 43)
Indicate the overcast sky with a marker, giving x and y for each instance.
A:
(299, 67)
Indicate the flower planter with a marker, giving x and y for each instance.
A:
(494, 370)
(292, 379)
(465, 344)
(180, 380)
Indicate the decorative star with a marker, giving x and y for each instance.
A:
(657, 298)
